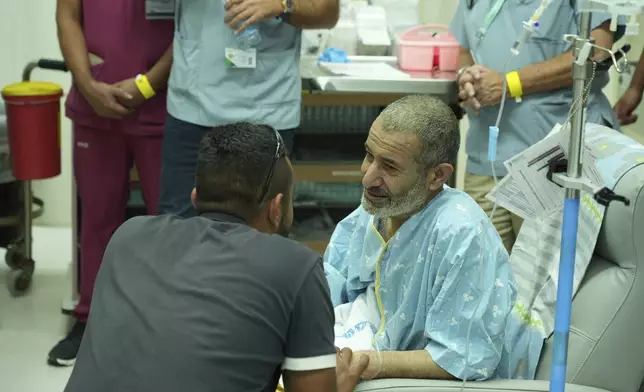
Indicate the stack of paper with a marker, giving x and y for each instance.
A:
(527, 192)
(366, 70)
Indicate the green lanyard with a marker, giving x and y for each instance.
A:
(489, 18)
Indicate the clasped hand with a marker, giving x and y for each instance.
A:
(479, 87)
(113, 101)
(350, 368)
(242, 13)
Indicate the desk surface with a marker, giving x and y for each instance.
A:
(435, 83)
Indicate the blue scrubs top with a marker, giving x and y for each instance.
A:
(523, 124)
(204, 90)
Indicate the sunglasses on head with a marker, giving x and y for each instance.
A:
(276, 157)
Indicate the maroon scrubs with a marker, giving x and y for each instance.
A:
(118, 33)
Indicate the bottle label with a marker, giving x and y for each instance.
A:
(238, 58)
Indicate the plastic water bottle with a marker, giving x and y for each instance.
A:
(248, 38)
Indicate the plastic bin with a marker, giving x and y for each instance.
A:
(417, 47)
(33, 121)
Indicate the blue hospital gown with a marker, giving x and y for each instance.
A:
(427, 280)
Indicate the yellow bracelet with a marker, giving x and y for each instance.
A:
(144, 86)
(514, 85)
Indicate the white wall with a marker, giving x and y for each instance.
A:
(28, 32)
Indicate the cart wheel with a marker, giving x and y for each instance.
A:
(14, 256)
(19, 279)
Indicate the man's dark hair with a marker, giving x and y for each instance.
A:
(234, 165)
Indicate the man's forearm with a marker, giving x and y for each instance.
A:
(315, 14)
(465, 58)
(404, 364)
(160, 72)
(637, 82)
(549, 75)
(72, 40)
(556, 73)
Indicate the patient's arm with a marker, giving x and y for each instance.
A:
(337, 258)
(337, 284)
(404, 364)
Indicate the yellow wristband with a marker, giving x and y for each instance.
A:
(144, 86)
(514, 85)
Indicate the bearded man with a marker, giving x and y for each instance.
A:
(419, 263)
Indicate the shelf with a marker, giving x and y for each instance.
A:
(318, 246)
(349, 99)
(327, 172)
(313, 205)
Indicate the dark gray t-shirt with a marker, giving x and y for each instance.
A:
(203, 304)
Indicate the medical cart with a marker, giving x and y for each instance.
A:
(19, 251)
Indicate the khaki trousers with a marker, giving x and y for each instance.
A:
(506, 223)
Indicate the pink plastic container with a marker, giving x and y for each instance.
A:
(417, 47)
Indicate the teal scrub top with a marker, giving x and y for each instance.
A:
(204, 90)
(526, 123)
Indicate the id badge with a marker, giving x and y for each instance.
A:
(238, 58)
(159, 9)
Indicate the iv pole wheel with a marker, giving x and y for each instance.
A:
(13, 255)
(19, 256)
(20, 276)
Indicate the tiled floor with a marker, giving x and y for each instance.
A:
(30, 325)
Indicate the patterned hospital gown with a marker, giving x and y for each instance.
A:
(428, 282)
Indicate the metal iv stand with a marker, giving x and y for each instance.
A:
(574, 183)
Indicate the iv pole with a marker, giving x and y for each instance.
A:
(580, 74)
(574, 183)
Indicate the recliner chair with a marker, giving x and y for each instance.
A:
(606, 348)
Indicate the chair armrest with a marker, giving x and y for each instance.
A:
(408, 385)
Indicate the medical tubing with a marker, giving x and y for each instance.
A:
(380, 360)
(481, 232)
(494, 133)
(564, 293)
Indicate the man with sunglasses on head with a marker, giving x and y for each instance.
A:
(218, 302)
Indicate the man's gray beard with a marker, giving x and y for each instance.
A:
(406, 204)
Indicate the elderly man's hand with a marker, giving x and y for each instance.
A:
(242, 13)
(480, 87)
